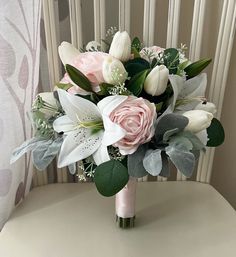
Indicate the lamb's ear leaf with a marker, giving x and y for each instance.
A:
(152, 162)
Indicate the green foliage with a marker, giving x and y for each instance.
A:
(136, 83)
(135, 66)
(171, 59)
(110, 177)
(104, 88)
(215, 133)
(196, 68)
(135, 52)
(135, 162)
(136, 44)
(78, 78)
(64, 86)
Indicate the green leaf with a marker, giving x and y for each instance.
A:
(136, 44)
(159, 106)
(135, 52)
(110, 177)
(78, 78)
(215, 133)
(64, 86)
(135, 162)
(196, 68)
(171, 59)
(136, 65)
(136, 83)
(104, 87)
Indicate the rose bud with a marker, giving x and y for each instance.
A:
(67, 52)
(114, 71)
(198, 120)
(206, 106)
(121, 46)
(156, 81)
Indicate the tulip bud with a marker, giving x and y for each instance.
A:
(206, 106)
(156, 81)
(67, 52)
(198, 120)
(121, 46)
(46, 103)
(113, 71)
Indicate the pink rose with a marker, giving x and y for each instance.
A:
(136, 116)
(90, 64)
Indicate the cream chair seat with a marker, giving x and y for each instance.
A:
(174, 219)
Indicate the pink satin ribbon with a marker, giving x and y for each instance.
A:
(125, 200)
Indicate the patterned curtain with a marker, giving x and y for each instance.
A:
(19, 73)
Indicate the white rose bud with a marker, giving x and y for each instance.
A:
(113, 71)
(206, 106)
(156, 81)
(67, 52)
(121, 46)
(198, 120)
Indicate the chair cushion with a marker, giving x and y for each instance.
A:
(71, 220)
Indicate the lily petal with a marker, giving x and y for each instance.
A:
(77, 145)
(101, 155)
(109, 103)
(194, 87)
(78, 108)
(63, 124)
(113, 132)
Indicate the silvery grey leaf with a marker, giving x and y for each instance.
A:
(196, 142)
(72, 168)
(169, 122)
(46, 152)
(182, 158)
(165, 171)
(182, 141)
(152, 162)
(26, 147)
(135, 162)
(169, 133)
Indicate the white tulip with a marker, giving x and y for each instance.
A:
(198, 120)
(114, 71)
(206, 106)
(156, 81)
(121, 46)
(67, 52)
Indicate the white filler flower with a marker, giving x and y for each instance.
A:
(85, 130)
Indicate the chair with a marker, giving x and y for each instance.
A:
(174, 218)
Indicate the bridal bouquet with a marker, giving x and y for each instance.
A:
(123, 111)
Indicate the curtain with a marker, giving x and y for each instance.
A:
(19, 70)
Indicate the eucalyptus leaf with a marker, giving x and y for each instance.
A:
(215, 133)
(136, 83)
(78, 78)
(196, 68)
(171, 59)
(152, 162)
(135, 162)
(27, 146)
(182, 158)
(44, 154)
(136, 65)
(110, 177)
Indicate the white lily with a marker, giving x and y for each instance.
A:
(67, 52)
(80, 119)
